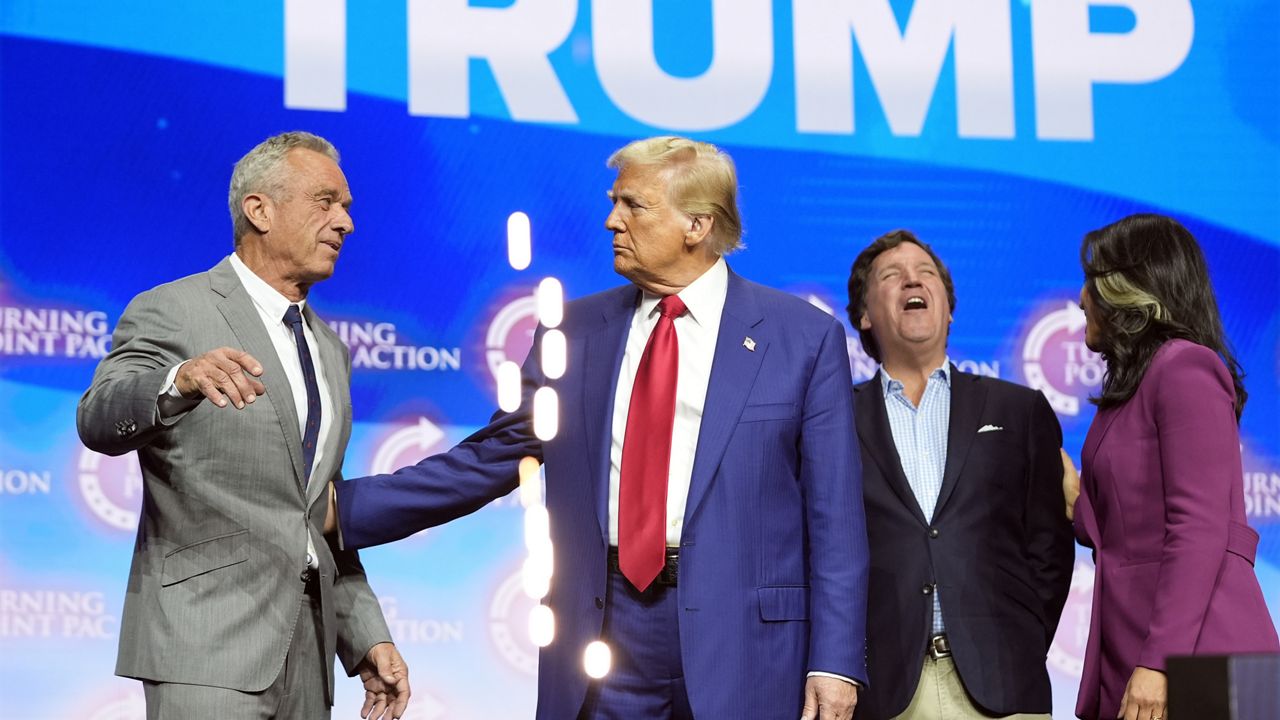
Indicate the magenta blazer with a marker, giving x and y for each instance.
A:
(1162, 505)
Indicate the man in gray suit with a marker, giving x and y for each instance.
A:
(237, 399)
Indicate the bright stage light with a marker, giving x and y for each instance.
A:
(509, 386)
(554, 354)
(519, 243)
(530, 482)
(550, 296)
(597, 659)
(546, 413)
(542, 626)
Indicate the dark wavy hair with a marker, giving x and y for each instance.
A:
(1148, 282)
(861, 272)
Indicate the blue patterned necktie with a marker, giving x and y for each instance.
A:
(311, 433)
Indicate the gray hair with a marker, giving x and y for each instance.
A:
(701, 181)
(259, 171)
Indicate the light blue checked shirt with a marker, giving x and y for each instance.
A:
(920, 434)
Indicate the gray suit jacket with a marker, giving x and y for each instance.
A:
(214, 589)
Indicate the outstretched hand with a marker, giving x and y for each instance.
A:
(386, 683)
(222, 375)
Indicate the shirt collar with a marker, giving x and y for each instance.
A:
(703, 297)
(890, 386)
(271, 302)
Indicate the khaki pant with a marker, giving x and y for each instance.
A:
(941, 696)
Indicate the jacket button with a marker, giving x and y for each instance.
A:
(926, 589)
(599, 603)
(933, 532)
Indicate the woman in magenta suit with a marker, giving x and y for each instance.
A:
(1161, 497)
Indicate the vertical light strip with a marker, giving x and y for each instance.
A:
(519, 240)
(509, 386)
(597, 659)
(315, 54)
(542, 626)
(554, 354)
(550, 296)
(546, 413)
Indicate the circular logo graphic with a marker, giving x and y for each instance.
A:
(1067, 652)
(511, 333)
(405, 445)
(112, 488)
(509, 625)
(1056, 361)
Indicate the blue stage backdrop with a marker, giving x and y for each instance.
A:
(1000, 131)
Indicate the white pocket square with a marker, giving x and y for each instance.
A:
(989, 428)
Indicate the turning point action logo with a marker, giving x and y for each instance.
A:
(509, 625)
(111, 488)
(510, 333)
(1056, 361)
(405, 445)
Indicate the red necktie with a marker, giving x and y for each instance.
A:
(646, 452)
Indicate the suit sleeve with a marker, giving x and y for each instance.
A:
(360, 624)
(831, 475)
(1050, 546)
(118, 412)
(382, 508)
(1194, 411)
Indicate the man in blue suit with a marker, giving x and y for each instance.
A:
(704, 485)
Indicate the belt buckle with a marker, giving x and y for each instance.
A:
(670, 572)
(939, 647)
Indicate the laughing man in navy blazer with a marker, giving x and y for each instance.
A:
(739, 589)
(970, 557)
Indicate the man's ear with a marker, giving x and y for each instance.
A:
(699, 230)
(259, 211)
(864, 322)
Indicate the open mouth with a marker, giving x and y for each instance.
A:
(336, 246)
(915, 302)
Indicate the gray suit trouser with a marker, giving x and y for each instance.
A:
(296, 694)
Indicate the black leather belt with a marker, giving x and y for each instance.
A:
(670, 567)
(939, 647)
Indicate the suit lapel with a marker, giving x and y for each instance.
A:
(968, 395)
(1093, 440)
(877, 438)
(607, 339)
(733, 373)
(237, 308)
(334, 365)
(1097, 431)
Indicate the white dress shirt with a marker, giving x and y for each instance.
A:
(696, 333)
(271, 307)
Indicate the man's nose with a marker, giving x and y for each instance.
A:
(345, 224)
(613, 222)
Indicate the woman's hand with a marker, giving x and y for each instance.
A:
(1146, 696)
(1070, 484)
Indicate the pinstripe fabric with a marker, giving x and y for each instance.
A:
(920, 434)
(214, 589)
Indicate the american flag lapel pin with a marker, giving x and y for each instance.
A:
(749, 344)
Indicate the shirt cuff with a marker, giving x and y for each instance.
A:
(170, 405)
(819, 673)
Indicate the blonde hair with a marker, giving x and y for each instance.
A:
(701, 180)
(1138, 307)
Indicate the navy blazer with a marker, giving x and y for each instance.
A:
(773, 556)
(999, 549)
